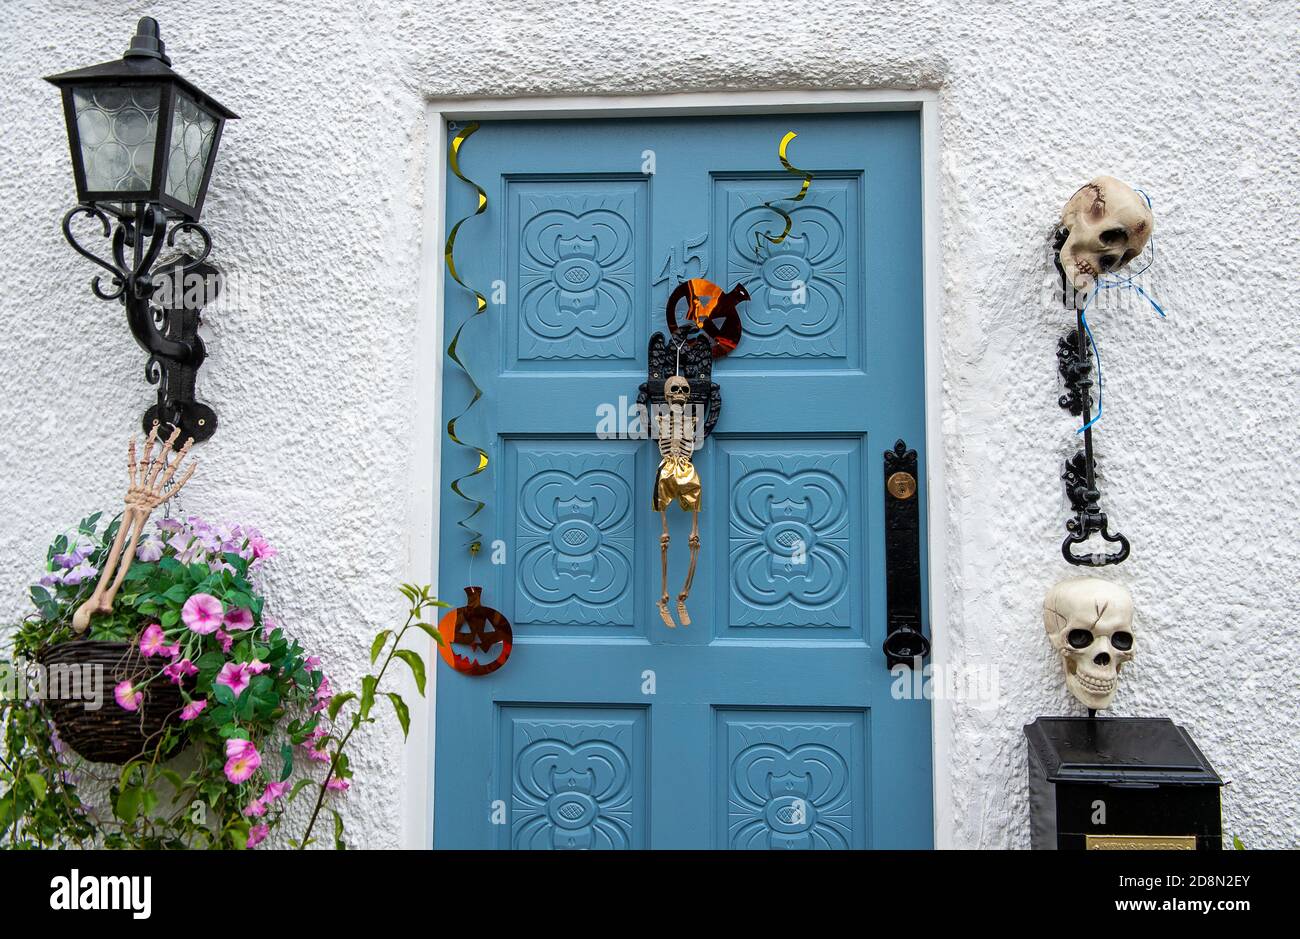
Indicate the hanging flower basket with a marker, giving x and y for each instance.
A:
(109, 733)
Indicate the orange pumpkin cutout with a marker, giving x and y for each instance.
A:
(710, 309)
(476, 639)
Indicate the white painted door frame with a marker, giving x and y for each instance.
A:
(423, 534)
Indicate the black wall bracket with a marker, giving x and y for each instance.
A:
(905, 642)
(162, 306)
(1074, 363)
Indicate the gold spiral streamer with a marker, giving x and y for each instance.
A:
(797, 197)
(480, 306)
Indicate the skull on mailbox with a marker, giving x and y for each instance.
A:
(1090, 624)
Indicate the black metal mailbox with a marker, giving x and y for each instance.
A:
(1120, 783)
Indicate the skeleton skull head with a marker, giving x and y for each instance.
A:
(1090, 623)
(1106, 225)
(677, 390)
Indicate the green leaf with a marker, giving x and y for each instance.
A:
(376, 647)
(368, 685)
(223, 694)
(127, 806)
(239, 835)
(417, 667)
(38, 784)
(336, 703)
(286, 757)
(172, 777)
(403, 714)
(170, 618)
(178, 593)
(433, 632)
(338, 831)
(299, 786)
(6, 812)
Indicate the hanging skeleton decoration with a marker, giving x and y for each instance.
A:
(147, 488)
(1090, 624)
(682, 404)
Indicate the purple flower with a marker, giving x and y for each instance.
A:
(52, 579)
(73, 557)
(193, 709)
(81, 572)
(257, 834)
(151, 549)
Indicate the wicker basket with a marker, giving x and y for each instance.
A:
(111, 734)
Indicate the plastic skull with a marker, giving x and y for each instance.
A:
(1106, 225)
(1090, 623)
(677, 390)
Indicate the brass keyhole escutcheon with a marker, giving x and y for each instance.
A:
(901, 485)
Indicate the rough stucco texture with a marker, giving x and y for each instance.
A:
(316, 211)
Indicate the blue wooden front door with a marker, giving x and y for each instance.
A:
(769, 721)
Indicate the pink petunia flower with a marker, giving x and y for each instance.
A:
(225, 639)
(179, 670)
(312, 663)
(257, 834)
(240, 618)
(255, 667)
(242, 760)
(269, 625)
(324, 695)
(154, 642)
(254, 809)
(202, 613)
(127, 697)
(193, 709)
(338, 785)
(234, 676)
(315, 746)
(274, 791)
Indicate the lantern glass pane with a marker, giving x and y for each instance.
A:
(117, 126)
(193, 130)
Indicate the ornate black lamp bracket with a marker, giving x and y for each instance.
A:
(905, 643)
(163, 305)
(1074, 363)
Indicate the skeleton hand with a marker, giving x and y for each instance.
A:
(147, 488)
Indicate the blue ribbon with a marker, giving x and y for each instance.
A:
(1125, 283)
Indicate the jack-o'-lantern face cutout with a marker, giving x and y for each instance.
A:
(476, 638)
(709, 309)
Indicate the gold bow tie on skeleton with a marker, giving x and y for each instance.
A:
(677, 480)
(147, 488)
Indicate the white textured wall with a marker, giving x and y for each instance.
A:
(316, 207)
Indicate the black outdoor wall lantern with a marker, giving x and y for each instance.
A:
(143, 142)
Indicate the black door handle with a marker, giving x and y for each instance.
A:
(905, 642)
